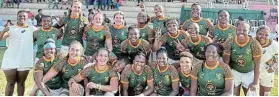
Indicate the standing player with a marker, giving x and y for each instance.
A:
(269, 60)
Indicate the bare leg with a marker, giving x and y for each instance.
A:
(11, 80)
(21, 78)
(265, 91)
(237, 91)
(245, 90)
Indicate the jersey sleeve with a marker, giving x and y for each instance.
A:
(146, 46)
(85, 72)
(174, 74)
(149, 72)
(227, 71)
(228, 45)
(125, 74)
(124, 46)
(113, 74)
(39, 66)
(150, 35)
(256, 48)
(83, 61)
(164, 38)
(108, 34)
(59, 65)
(194, 72)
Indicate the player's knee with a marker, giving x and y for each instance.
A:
(20, 83)
(11, 83)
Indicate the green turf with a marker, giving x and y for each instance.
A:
(29, 82)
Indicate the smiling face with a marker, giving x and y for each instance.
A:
(98, 19)
(262, 35)
(242, 30)
(139, 62)
(159, 10)
(102, 57)
(193, 30)
(76, 8)
(75, 51)
(172, 27)
(22, 17)
(196, 11)
(223, 17)
(211, 54)
(134, 34)
(162, 59)
(49, 52)
(46, 22)
(185, 63)
(142, 18)
(119, 19)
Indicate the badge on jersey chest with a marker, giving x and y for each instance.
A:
(240, 61)
(116, 41)
(95, 44)
(210, 87)
(73, 33)
(138, 89)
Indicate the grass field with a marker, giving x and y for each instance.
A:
(30, 81)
